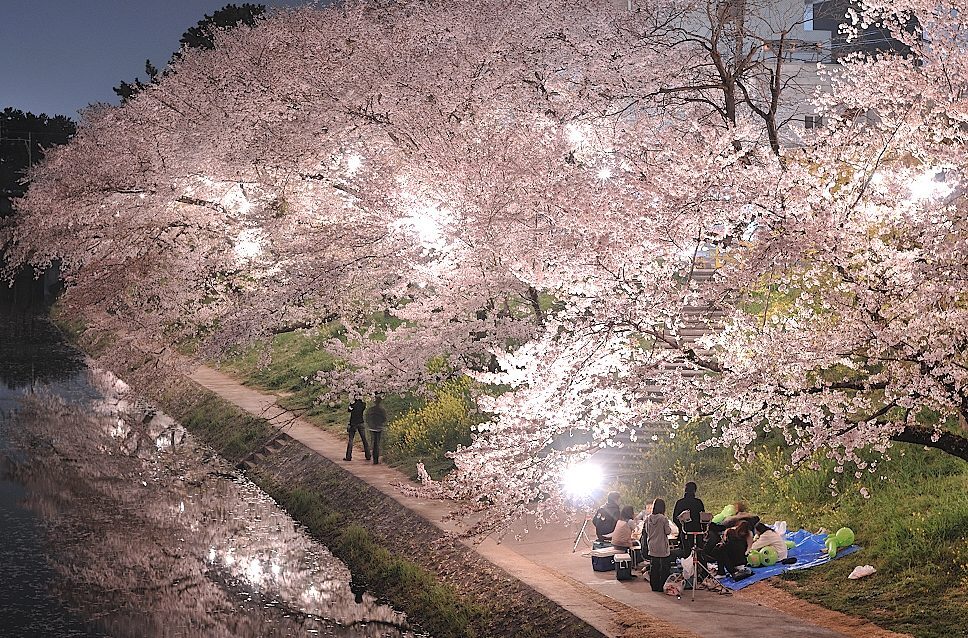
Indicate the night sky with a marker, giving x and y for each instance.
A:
(57, 56)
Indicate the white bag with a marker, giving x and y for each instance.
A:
(688, 568)
(780, 527)
(860, 571)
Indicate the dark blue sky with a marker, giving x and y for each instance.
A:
(57, 56)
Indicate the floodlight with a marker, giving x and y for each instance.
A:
(581, 479)
(931, 184)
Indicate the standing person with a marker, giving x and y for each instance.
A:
(356, 425)
(657, 530)
(692, 504)
(376, 422)
(607, 516)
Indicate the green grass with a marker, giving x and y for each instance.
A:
(913, 528)
(224, 427)
(405, 584)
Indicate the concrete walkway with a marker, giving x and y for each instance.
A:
(544, 560)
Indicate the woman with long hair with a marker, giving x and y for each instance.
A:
(656, 532)
(736, 543)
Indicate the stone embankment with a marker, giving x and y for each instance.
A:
(492, 601)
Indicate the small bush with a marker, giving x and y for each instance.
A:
(441, 425)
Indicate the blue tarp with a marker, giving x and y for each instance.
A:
(808, 548)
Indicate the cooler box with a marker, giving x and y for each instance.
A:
(623, 567)
(603, 560)
(636, 553)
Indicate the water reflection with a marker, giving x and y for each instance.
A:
(32, 352)
(149, 534)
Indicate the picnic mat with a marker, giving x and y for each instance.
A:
(809, 549)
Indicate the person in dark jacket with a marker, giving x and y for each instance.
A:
(607, 516)
(356, 425)
(688, 503)
(730, 553)
(376, 422)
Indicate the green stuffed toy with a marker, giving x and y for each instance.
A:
(754, 559)
(844, 537)
(729, 510)
(769, 556)
(791, 544)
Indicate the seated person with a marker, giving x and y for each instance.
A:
(768, 537)
(730, 553)
(622, 535)
(714, 533)
(607, 516)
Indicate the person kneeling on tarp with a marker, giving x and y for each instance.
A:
(768, 537)
(731, 552)
(607, 516)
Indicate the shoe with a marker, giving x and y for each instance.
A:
(367, 457)
(347, 458)
(376, 462)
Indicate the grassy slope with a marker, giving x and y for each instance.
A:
(913, 528)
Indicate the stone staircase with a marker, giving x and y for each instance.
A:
(634, 444)
(272, 445)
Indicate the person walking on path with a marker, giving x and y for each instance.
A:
(656, 532)
(356, 425)
(688, 503)
(376, 422)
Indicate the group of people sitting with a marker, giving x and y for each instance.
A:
(618, 525)
(729, 542)
(725, 543)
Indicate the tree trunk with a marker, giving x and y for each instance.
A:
(948, 442)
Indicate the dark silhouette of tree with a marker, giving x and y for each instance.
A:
(200, 36)
(127, 90)
(24, 138)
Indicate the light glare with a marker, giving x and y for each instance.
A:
(581, 479)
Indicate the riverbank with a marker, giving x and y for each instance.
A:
(320, 484)
(445, 587)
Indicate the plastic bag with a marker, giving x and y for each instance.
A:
(688, 567)
(780, 527)
(674, 585)
(860, 571)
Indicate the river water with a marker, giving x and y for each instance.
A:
(116, 522)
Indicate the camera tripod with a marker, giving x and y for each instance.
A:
(582, 534)
(698, 565)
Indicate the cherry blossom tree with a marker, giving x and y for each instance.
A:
(530, 192)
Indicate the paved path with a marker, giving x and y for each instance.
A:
(543, 560)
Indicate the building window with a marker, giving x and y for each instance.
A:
(812, 122)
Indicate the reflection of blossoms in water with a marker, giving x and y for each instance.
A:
(153, 535)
